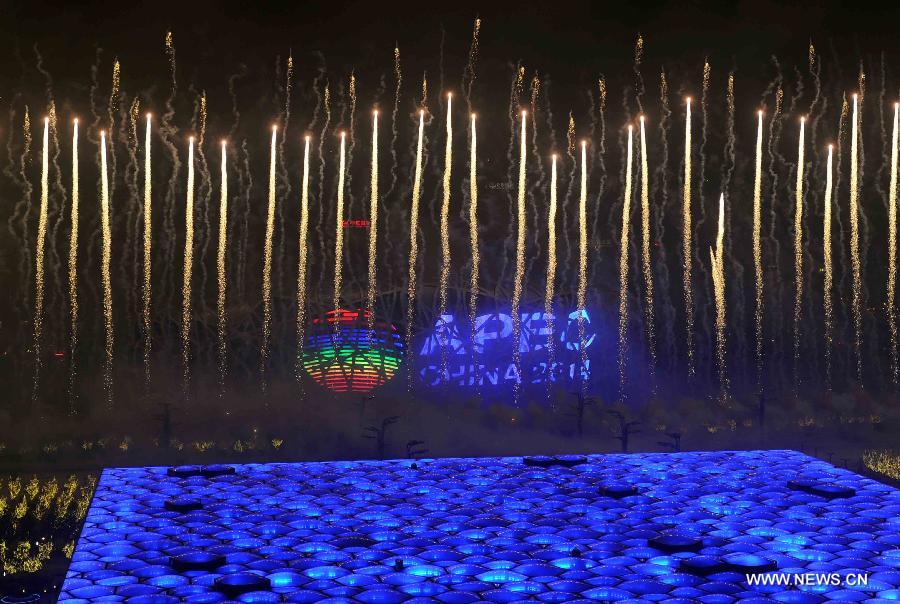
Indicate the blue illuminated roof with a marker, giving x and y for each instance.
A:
(492, 529)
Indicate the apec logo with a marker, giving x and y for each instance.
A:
(485, 358)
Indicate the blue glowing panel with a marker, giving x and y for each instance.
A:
(652, 527)
(549, 348)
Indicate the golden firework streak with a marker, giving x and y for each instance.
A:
(798, 249)
(551, 265)
(302, 260)
(892, 247)
(188, 270)
(220, 269)
(854, 239)
(623, 265)
(148, 250)
(267, 262)
(582, 266)
(73, 266)
(687, 246)
(718, 272)
(373, 227)
(645, 256)
(520, 256)
(826, 240)
(414, 233)
(445, 210)
(105, 272)
(39, 260)
(339, 226)
(757, 249)
(473, 210)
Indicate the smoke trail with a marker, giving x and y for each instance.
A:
(39, 263)
(73, 272)
(623, 266)
(718, 272)
(757, 252)
(395, 134)
(55, 211)
(773, 145)
(645, 257)
(107, 283)
(339, 226)
(188, 269)
(551, 268)
(515, 92)
(169, 132)
(414, 237)
(373, 227)
(220, 268)
(326, 104)
(826, 293)
(601, 159)
(854, 238)
(520, 257)
(267, 264)
(667, 309)
(892, 247)
(111, 109)
(148, 250)
(798, 252)
(302, 262)
(284, 183)
(687, 249)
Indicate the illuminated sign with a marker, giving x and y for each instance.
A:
(485, 357)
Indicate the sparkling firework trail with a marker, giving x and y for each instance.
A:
(582, 265)
(798, 250)
(520, 255)
(829, 280)
(302, 261)
(188, 270)
(220, 270)
(105, 272)
(445, 227)
(445, 210)
(687, 246)
(469, 72)
(854, 239)
(892, 247)
(39, 260)
(645, 255)
(414, 232)
(267, 263)
(718, 272)
(148, 249)
(623, 266)
(757, 250)
(73, 269)
(473, 219)
(339, 226)
(551, 264)
(373, 226)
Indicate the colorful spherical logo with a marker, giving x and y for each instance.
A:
(347, 351)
